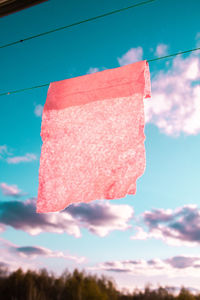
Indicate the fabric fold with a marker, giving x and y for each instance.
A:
(93, 137)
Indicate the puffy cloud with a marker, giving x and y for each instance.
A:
(161, 50)
(178, 227)
(38, 110)
(175, 104)
(133, 55)
(10, 190)
(175, 266)
(182, 262)
(22, 215)
(98, 218)
(101, 218)
(28, 157)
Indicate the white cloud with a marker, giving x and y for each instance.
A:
(28, 157)
(180, 227)
(8, 156)
(10, 190)
(22, 215)
(33, 252)
(182, 265)
(161, 50)
(175, 104)
(133, 55)
(38, 110)
(31, 257)
(99, 218)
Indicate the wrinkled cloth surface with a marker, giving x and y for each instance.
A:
(93, 137)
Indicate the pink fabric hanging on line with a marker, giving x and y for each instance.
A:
(93, 137)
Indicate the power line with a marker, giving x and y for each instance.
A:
(76, 23)
(25, 89)
(174, 54)
(149, 60)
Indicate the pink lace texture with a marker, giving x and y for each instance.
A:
(93, 137)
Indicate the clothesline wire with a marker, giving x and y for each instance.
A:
(149, 60)
(174, 54)
(77, 23)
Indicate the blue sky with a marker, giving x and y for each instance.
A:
(170, 184)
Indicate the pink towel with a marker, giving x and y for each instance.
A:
(93, 137)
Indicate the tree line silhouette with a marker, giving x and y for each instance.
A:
(41, 285)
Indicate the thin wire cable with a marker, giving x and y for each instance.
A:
(77, 23)
(25, 89)
(149, 60)
(174, 54)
